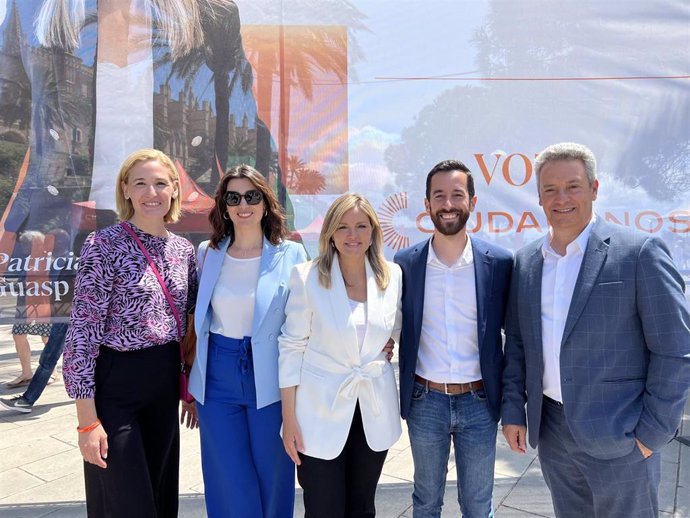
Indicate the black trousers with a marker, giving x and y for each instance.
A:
(344, 487)
(137, 396)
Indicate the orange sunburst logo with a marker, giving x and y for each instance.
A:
(389, 208)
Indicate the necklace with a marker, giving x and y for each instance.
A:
(349, 284)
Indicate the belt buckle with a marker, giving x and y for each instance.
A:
(445, 389)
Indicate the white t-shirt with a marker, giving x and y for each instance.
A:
(232, 301)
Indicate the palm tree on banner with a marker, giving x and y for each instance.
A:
(311, 49)
(222, 53)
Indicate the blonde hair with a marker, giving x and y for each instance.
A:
(59, 23)
(125, 209)
(327, 249)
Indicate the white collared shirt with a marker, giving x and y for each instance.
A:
(448, 345)
(558, 279)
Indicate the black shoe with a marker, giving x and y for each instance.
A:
(16, 403)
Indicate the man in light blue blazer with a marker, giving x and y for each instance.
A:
(455, 292)
(597, 348)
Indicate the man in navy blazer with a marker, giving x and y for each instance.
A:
(597, 347)
(455, 292)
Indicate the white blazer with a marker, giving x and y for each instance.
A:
(319, 354)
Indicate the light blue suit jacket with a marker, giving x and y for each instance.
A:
(269, 314)
(625, 352)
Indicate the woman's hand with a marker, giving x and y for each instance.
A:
(292, 438)
(188, 412)
(388, 349)
(93, 446)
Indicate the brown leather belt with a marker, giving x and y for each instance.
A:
(450, 388)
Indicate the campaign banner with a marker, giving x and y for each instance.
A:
(326, 97)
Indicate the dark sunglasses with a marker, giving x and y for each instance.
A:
(233, 199)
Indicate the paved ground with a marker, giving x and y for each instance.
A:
(41, 470)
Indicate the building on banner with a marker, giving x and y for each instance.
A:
(328, 97)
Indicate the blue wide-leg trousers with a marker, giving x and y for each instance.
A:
(247, 473)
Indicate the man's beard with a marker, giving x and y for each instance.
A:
(449, 228)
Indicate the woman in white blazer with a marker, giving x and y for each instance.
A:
(244, 270)
(340, 400)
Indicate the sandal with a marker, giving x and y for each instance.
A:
(18, 382)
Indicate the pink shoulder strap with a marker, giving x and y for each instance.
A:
(155, 271)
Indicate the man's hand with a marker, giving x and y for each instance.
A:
(516, 436)
(388, 349)
(646, 452)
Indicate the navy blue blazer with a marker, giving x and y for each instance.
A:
(625, 353)
(492, 269)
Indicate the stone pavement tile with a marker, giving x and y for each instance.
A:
(509, 512)
(530, 494)
(189, 441)
(30, 450)
(682, 508)
(667, 488)
(190, 472)
(393, 499)
(68, 489)
(40, 428)
(72, 510)
(56, 466)
(399, 465)
(14, 481)
(6, 425)
(191, 506)
(510, 464)
(39, 510)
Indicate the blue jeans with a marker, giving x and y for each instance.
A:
(46, 364)
(434, 420)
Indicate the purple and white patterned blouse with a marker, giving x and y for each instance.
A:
(119, 303)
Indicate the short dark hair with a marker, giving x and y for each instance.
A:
(447, 166)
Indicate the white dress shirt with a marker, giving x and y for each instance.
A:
(558, 279)
(234, 295)
(448, 344)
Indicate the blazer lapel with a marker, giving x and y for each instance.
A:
(483, 277)
(534, 269)
(267, 285)
(418, 284)
(375, 313)
(210, 271)
(593, 260)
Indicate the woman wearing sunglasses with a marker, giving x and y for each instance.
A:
(244, 272)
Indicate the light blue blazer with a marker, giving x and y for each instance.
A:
(269, 314)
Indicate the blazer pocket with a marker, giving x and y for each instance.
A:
(610, 283)
(623, 380)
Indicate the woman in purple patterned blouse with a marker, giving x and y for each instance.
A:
(121, 360)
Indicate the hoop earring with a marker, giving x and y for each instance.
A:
(226, 216)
